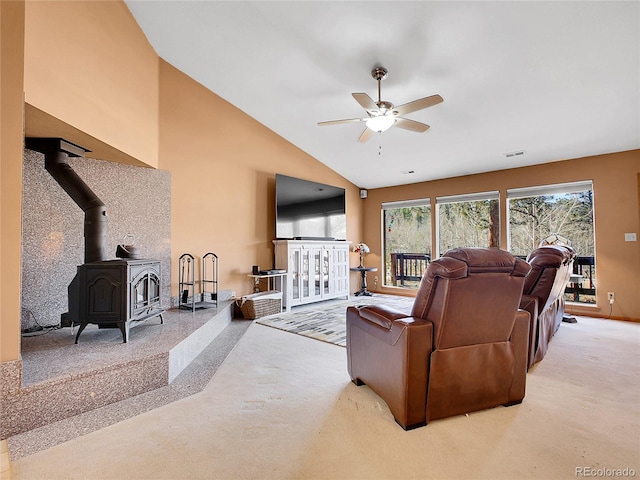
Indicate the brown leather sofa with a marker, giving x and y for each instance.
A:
(543, 295)
(464, 347)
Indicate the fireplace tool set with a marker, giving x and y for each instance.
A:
(208, 296)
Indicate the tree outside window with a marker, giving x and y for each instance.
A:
(566, 210)
(407, 239)
(468, 221)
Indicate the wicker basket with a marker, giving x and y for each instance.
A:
(260, 304)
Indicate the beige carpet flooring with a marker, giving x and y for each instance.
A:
(281, 406)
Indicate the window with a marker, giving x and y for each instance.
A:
(468, 221)
(407, 242)
(565, 210)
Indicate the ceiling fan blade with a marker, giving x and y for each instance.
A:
(365, 101)
(346, 120)
(418, 104)
(366, 135)
(411, 125)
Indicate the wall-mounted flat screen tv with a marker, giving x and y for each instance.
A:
(309, 210)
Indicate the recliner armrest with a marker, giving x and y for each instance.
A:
(529, 303)
(382, 315)
(520, 342)
(383, 323)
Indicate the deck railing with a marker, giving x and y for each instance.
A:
(582, 282)
(408, 267)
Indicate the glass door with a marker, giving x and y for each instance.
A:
(340, 271)
(294, 267)
(317, 272)
(305, 273)
(326, 265)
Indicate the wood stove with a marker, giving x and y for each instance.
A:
(115, 294)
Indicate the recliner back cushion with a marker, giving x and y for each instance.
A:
(477, 309)
(550, 271)
(441, 268)
(468, 293)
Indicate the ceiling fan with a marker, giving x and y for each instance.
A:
(383, 115)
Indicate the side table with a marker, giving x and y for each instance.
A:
(275, 281)
(363, 282)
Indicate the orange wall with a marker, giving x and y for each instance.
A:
(102, 69)
(11, 121)
(223, 165)
(616, 207)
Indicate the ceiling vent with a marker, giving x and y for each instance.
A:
(517, 153)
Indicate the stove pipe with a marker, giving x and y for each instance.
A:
(56, 155)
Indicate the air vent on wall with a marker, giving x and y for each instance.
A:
(518, 153)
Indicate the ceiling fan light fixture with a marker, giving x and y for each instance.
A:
(381, 123)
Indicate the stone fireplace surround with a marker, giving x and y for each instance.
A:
(138, 202)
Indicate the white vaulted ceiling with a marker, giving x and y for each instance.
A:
(558, 79)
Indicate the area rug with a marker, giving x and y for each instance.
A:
(327, 321)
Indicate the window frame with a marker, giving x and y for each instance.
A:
(419, 202)
(561, 189)
(542, 190)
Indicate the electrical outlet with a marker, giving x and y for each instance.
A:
(611, 297)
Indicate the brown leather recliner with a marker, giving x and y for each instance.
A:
(543, 295)
(464, 347)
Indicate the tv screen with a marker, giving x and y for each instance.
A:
(309, 210)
